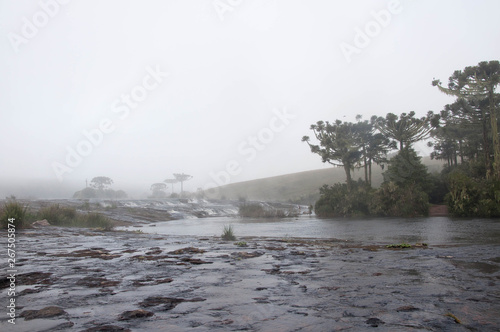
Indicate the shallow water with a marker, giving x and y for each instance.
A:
(435, 230)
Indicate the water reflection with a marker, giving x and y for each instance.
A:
(436, 230)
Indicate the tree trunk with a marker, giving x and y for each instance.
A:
(461, 152)
(370, 171)
(347, 169)
(400, 145)
(486, 146)
(494, 134)
(366, 165)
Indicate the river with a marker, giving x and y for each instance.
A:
(434, 230)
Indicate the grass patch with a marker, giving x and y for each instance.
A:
(13, 209)
(57, 215)
(228, 233)
(68, 217)
(241, 244)
(258, 211)
(93, 220)
(400, 245)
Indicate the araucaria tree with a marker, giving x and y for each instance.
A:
(405, 129)
(181, 177)
(171, 182)
(101, 182)
(476, 85)
(339, 145)
(374, 146)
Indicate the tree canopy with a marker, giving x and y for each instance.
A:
(476, 85)
(405, 129)
(101, 182)
(181, 177)
(339, 145)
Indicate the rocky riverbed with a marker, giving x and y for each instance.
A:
(90, 280)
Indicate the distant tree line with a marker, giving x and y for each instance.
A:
(465, 136)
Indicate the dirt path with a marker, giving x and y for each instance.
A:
(438, 211)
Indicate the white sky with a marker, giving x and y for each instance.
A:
(226, 76)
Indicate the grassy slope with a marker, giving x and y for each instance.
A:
(299, 187)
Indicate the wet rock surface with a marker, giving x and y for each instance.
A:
(86, 280)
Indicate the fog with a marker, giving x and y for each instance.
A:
(218, 89)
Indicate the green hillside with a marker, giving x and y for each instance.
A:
(300, 187)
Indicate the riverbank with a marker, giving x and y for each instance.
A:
(88, 280)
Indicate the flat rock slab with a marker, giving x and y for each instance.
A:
(134, 314)
(90, 280)
(47, 312)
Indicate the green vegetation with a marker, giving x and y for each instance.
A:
(339, 201)
(227, 233)
(402, 194)
(256, 210)
(472, 197)
(466, 130)
(67, 216)
(55, 214)
(16, 210)
(241, 244)
(400, 245)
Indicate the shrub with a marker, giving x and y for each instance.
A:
(256, 210)
(391, 200)
(406, 168)
(13, 209)
(400, 245)
(86, 193)
(93, 220)
(67, 216)
(337, 201)
(228, 234)
(469, 197)
(58, 216)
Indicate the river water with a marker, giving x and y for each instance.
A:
(434, 230)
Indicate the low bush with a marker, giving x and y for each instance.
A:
(337, 201)
(67, 216)
(93, 220)
(391, 200)
(400, 245)
(13, 210)
(58, 216)
(469, 197)
(256, 210)
(228, 233)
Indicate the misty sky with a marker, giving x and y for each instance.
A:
(204, 87)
